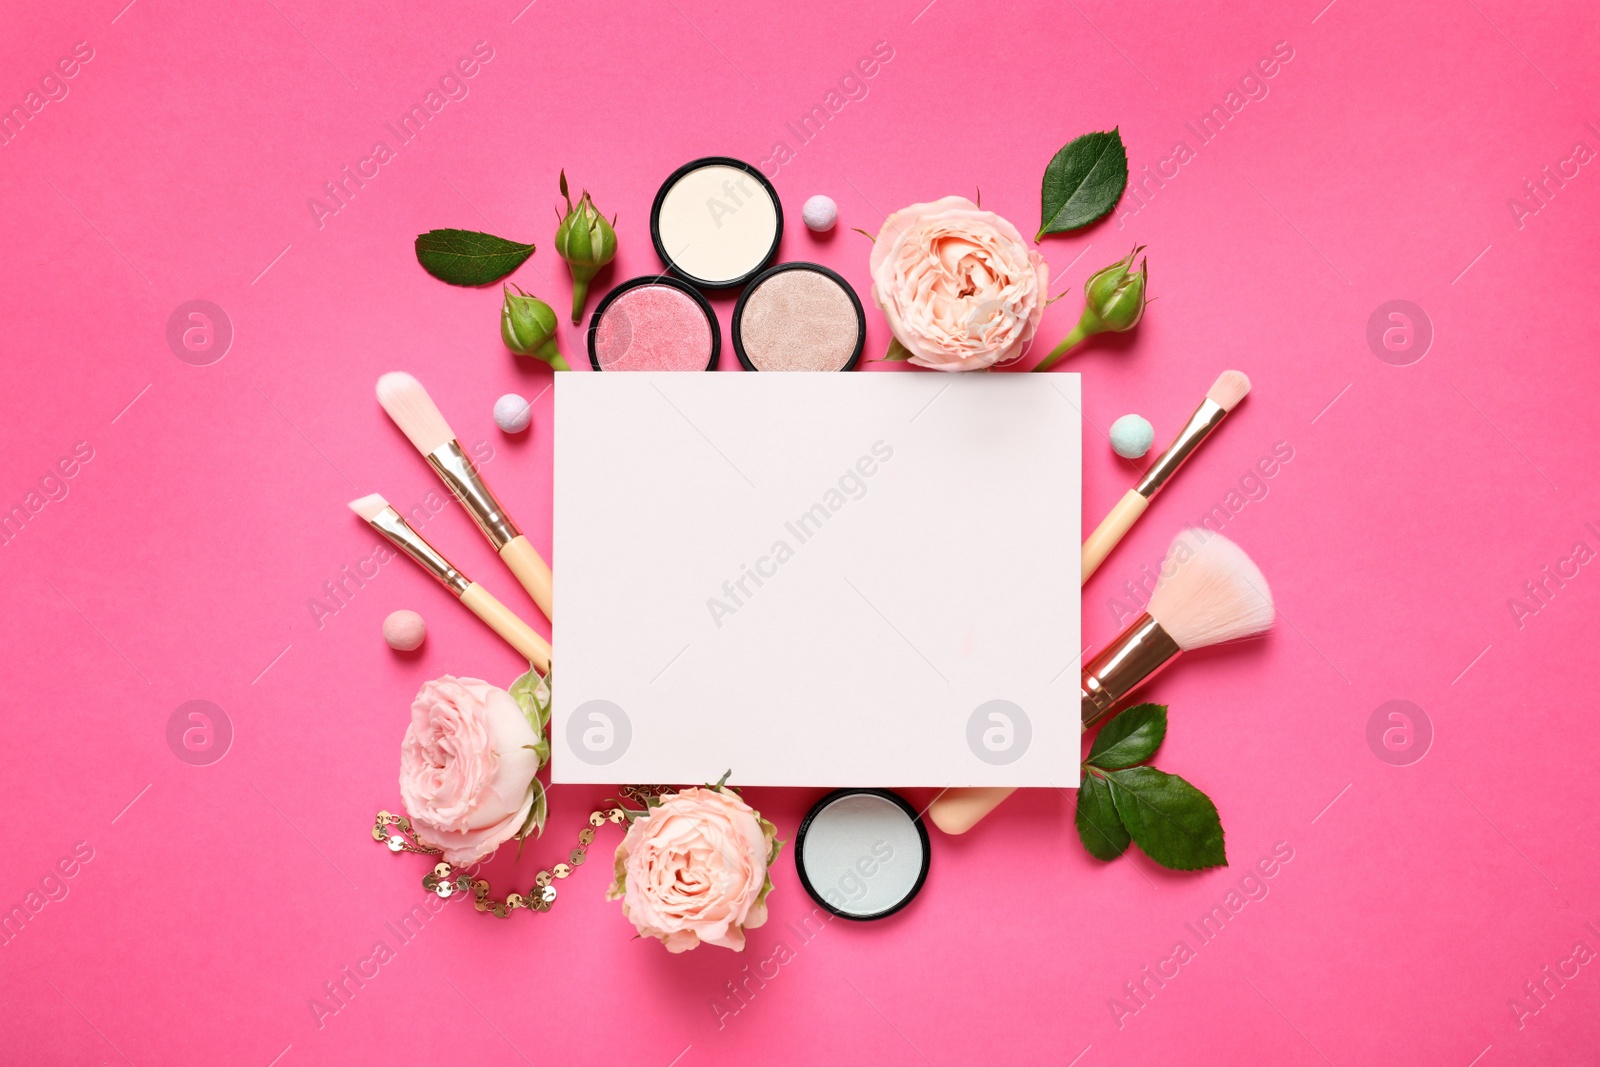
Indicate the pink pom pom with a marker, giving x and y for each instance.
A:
(404, 630)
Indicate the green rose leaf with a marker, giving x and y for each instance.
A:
(1099, 826)
(533, 826)
(1170, 820)
(897, 352)
(532, 694)
(467, 257)
(1132, 737)
(770, 832)
(1083, 182)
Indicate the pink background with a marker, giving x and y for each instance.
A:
(179, 565)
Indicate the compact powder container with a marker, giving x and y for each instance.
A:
(716, 222)
(862, 853)
(799, 316)
(654, 323)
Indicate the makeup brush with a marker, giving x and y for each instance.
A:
(409, 405)
(1209, 592)
(1230, 388)
(519, 635)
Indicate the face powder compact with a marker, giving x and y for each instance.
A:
(716, 222)
(799, 316)
(654, 323)
(862, 853)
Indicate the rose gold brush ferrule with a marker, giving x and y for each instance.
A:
(1205, 419)
(399, 532)
(1127, 663)
(458, 473)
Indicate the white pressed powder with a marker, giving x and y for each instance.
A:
(717, 223)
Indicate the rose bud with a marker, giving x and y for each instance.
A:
(528, 327)
(1113, 302)
(586, 241)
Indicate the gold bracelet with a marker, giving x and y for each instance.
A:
(446, 881)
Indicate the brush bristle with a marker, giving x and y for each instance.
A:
(409, 405)
(369, 506)
(1210, 592)
(1230, 388)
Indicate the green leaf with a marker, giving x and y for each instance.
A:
(1132, 737)
(1173, 822)
(532, 694)
(466, 257)
(897, 353)
(1099, 826)
(533, 826)
(1083, 182)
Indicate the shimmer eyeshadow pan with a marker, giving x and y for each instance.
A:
(716, 222)
(654, 323)
(862, 853)
(799, 316)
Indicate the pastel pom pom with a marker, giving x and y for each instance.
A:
(512, 413)
(820, 213)
(404, 630)
(1132, 436)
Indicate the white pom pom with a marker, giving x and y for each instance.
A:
(512, 413)
(820, 213)
(1132, 436)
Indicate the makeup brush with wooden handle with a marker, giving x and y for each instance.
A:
(409, 405)
(519, 635)
(1221, 398)
(1209, 592)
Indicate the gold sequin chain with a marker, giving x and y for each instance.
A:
(444, 880)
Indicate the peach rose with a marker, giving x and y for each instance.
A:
(695, 869)
(959, 285)
(467, 768)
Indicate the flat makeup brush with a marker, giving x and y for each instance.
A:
(1229, 389)
(1205, 596)
(409, 405)
(519, 635)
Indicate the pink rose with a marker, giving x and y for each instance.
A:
(465, 769)
(959, 286)
(695, 869)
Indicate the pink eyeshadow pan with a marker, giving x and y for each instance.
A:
(652, 326)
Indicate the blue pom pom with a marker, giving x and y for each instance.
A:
(1132, 436)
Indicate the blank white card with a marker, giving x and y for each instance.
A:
(857, 579)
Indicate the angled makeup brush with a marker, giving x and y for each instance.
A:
(409, 405)
(1209, 592)
(519, 635)
(1222, 397)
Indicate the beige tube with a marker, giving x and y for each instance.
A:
(1112, 529)
(531, 570)
(518, 634)
(958, 810)
(955, 811)
(1141, 652)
